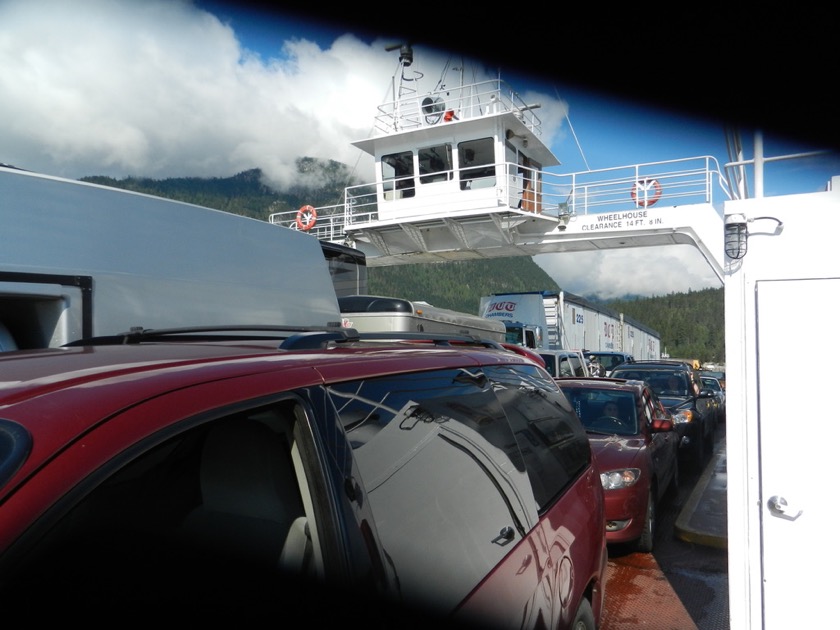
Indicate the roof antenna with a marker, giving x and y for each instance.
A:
(406, 53)
(572, 129)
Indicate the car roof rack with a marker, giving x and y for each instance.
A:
(291, 337)
(236, 332)
(436, 338)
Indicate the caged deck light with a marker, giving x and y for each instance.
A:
(735, 234)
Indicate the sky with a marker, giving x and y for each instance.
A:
(176, 88)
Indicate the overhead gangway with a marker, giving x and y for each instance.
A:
(675, 202)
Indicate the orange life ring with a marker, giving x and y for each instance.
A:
(306, 218)
(641, 192)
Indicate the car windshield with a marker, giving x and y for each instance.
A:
(662, 382)
(604, 411)
(711, 383)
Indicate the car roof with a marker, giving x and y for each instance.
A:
(562, 353)
(614, 384)
(654, 364)
(29, 373)
(58, 394)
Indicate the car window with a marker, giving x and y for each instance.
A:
(604, 411)
(551, 364)
(614, 361)
(663, 382)
(223, 499)
(442, 470)
(449, 455)
(553, 444)
(566, 367)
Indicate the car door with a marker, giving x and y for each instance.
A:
(167, 501)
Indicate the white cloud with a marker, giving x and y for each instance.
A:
(160, 88)
(643, 271)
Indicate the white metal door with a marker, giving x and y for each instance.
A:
(798, 423)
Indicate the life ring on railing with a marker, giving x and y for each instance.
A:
(646, 192)
(306, 218)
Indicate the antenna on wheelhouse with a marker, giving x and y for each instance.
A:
(406, 80)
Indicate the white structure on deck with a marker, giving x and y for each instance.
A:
(461, 173)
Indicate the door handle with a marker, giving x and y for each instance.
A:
(505, 536)
(779, 507)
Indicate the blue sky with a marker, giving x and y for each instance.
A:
(170, 88)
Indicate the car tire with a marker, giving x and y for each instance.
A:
(584, 618)
(645, 542)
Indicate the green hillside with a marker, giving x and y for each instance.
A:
(459, 285)
(690, 324)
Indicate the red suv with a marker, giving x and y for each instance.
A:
(636, 449)
(195, 471)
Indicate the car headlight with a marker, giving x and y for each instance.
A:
(681, 416)
(617, 479)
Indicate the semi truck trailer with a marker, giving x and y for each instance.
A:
(547, 320)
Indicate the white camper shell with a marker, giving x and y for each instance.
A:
(80, 260)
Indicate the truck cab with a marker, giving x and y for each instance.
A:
(525, 335)
(565, 363)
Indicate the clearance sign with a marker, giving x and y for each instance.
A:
(631, 219)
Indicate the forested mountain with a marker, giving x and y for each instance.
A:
(690, 324)
(246, 193)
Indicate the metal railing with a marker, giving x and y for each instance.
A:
(668, 183)
(467, 101)
(654, 184)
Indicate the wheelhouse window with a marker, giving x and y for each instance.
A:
(398, 175)
(476, 160)
(435, 164)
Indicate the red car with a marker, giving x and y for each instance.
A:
(312, 473)
(635, 447)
